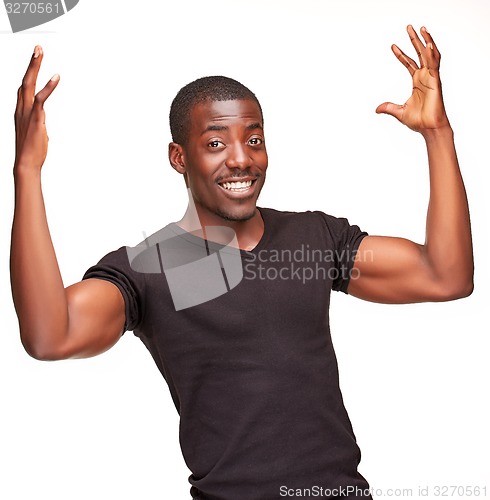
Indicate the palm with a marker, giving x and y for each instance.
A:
(424, 110)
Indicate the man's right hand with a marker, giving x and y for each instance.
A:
(30, 129)
(55, 322)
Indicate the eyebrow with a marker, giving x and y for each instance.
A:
(253, 126)
(210, 128)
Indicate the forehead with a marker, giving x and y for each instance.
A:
(239, 111)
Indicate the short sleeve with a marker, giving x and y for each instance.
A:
(346, 239)
(115, 267)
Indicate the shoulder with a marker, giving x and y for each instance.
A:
(330, 230)
(287, 215)
(314, 217)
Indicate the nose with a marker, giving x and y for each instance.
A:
(237, 157)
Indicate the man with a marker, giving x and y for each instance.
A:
(248, 358)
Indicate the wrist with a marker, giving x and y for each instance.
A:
(23, 172)
(437, 134)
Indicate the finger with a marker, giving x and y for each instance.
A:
(432, 63)
(410, 64)
(19, 105)
(30, 77)
(418, 45)
(43, 94)
(388, 108)
(433, 52)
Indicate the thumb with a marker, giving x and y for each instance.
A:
(388, 108)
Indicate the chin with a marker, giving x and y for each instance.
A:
(237, 216)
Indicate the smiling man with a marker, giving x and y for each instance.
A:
(220, 150)
(249, 360)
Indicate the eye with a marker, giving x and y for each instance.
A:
(215, 144)
(255, 141)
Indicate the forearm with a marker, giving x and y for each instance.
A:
(37, 286)
(448, 246)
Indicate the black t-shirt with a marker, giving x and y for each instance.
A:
(252, 371)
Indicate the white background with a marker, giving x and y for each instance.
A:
(414, 378)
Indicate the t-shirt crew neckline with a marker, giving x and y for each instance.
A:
(197, 240)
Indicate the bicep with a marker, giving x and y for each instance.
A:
(96, 312)
(393, 270)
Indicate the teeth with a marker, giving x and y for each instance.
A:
(237, 186)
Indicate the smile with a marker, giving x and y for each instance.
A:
(237, 186)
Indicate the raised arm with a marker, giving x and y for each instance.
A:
(55, 323)
(396, 270)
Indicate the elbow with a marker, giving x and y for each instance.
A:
(466, 290)
(41, 351)
(470, 285)
(40, 354)
(453, 282)
(461, 292)
(455, 290)
(464, 284)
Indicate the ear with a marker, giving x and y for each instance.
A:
(176, 157)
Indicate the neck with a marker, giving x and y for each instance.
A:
(248, 232)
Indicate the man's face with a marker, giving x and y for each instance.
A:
(225, 158)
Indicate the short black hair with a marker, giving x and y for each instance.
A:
(208, 88)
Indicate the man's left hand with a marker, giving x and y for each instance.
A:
(424, 111)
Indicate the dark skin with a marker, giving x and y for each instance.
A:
(396, 270)
(226, 144)
(55, 322)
